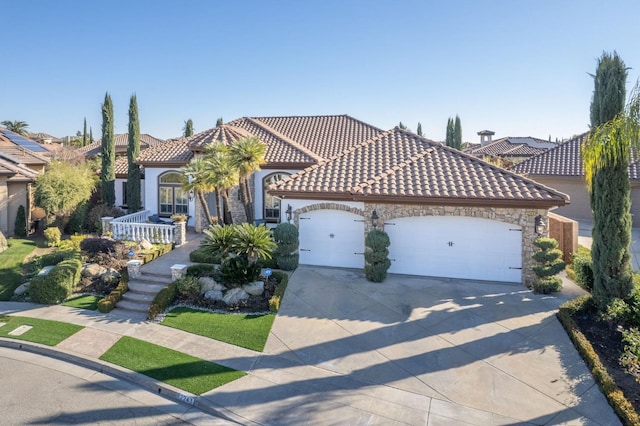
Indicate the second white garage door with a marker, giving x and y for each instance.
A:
(456, 247)
(332, 238)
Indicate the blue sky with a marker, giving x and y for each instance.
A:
(519, 68)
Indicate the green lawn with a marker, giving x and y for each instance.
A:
(247, 331)
(11, 265)
(87, 301)
(44, 331)
(175, 368)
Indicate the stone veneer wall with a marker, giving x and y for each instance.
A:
(525, 218)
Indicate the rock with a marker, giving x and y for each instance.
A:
(208, 283)
(22, 289)
(145, 244)
(93, 270)
(255, 288)
(111, 276)
(234, 296)
(213, 295)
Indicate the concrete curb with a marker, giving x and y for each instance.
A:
(170, 392)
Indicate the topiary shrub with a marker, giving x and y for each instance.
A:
(20, 229)
(582, 266)
(237, 271)
(376, 256)
(52, 236)
(550, 262)
(58, 284)
(286, 237)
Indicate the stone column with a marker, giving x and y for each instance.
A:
(180, 235)
(178, 271)
(106, 224)
(133, 268)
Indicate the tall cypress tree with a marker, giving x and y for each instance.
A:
(419, 129)
(108, 174)
(188, 128)
(134, 202)
(610, 189)
(457, 134)
(84, 133)
(90, 134)
(449, 140)
(219, 122)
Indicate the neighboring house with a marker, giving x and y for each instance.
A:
(512, 149)
(19, 166)
(562, 168)
(121, 143)
(447, 213)
(44, 138)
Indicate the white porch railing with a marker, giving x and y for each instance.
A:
(133, 227)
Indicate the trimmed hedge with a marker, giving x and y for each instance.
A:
(582, 267)
(204, 255)
(163, 299)
(56, 257)
(106, 304)
(58, 284)
(614, 395)
(201, 270)
(278, 294)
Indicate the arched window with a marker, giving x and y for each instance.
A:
(172, 199)
(271, 203)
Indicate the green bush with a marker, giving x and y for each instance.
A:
(286, 237)
(268, 263)
(547, 285)
(187, 287)
(288, 262)
(282, 279)
(237, 271)
(72, 244)
(376, 256)
(582, 266)
(550, 262)
(55, 257)
(52, 235)
(630, 358)
(106, 304)
(201, 270)
(93, 246)
(163, 300)
(76, 223)
(204, 255)
(58, 284)
(20, 229)
(93, 220)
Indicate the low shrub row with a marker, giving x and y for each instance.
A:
(581, 270)
(201, 270)
(55, 257)
(106, 304)
(158, 250)
(204, 255)
(278, 294)
(163, 299)
(616, 397)
(58, 284)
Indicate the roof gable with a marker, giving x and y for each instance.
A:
(563, 160)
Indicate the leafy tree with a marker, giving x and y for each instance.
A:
(449, 140)
(187, 130)
(606, 157)
(246, 155)
(419, 129)
(134, 201)
(223, 177)
(457, 134)
(84, 133)
(62, 187)
(219, 122)
(108, 173)
(19, 127)
(200, 182)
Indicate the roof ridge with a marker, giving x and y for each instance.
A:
(282, 137)
(551, 150)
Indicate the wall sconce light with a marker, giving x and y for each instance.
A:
(540, 225)
(374, 219)
(289, 212)
(191, 194)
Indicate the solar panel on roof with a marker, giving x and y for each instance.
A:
(23, 142)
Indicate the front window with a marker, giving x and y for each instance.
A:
(172, 198)
(271, 203)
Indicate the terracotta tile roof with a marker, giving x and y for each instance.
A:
(122, 142)
(225, 134)
(511, 147)
(122, 168)
(563, 160)
(173, 153)
(399, 166)
(42, 137)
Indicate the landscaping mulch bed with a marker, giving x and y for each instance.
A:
(606, 340)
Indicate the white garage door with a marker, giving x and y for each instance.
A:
(332, 238)
(456, 247)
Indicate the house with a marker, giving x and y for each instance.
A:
(121, 143)
(561, 168)
(447, 213)
(512, 149)
(21, 160)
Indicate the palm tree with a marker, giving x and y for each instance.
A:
(252, 241)
(246, 155)
(199, 181)
(222, 174)
(19, 127)
(219, 240)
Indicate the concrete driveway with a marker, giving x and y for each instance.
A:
(415, 351)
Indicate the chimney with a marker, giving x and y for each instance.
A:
(485, 137)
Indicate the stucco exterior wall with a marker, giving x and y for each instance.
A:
(150, 192)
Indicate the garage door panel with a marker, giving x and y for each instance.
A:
(332, 238)
(455, 246)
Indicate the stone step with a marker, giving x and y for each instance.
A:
(138, 297)
(154, 278)
(133, 306)
(136, 286)
(130, 315)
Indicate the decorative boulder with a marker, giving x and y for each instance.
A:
(255, 288)
(111, 276)
(93, 270)
(21, 289)
(145, 244)
(208, 283)
(213, 295)
(235, 295)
